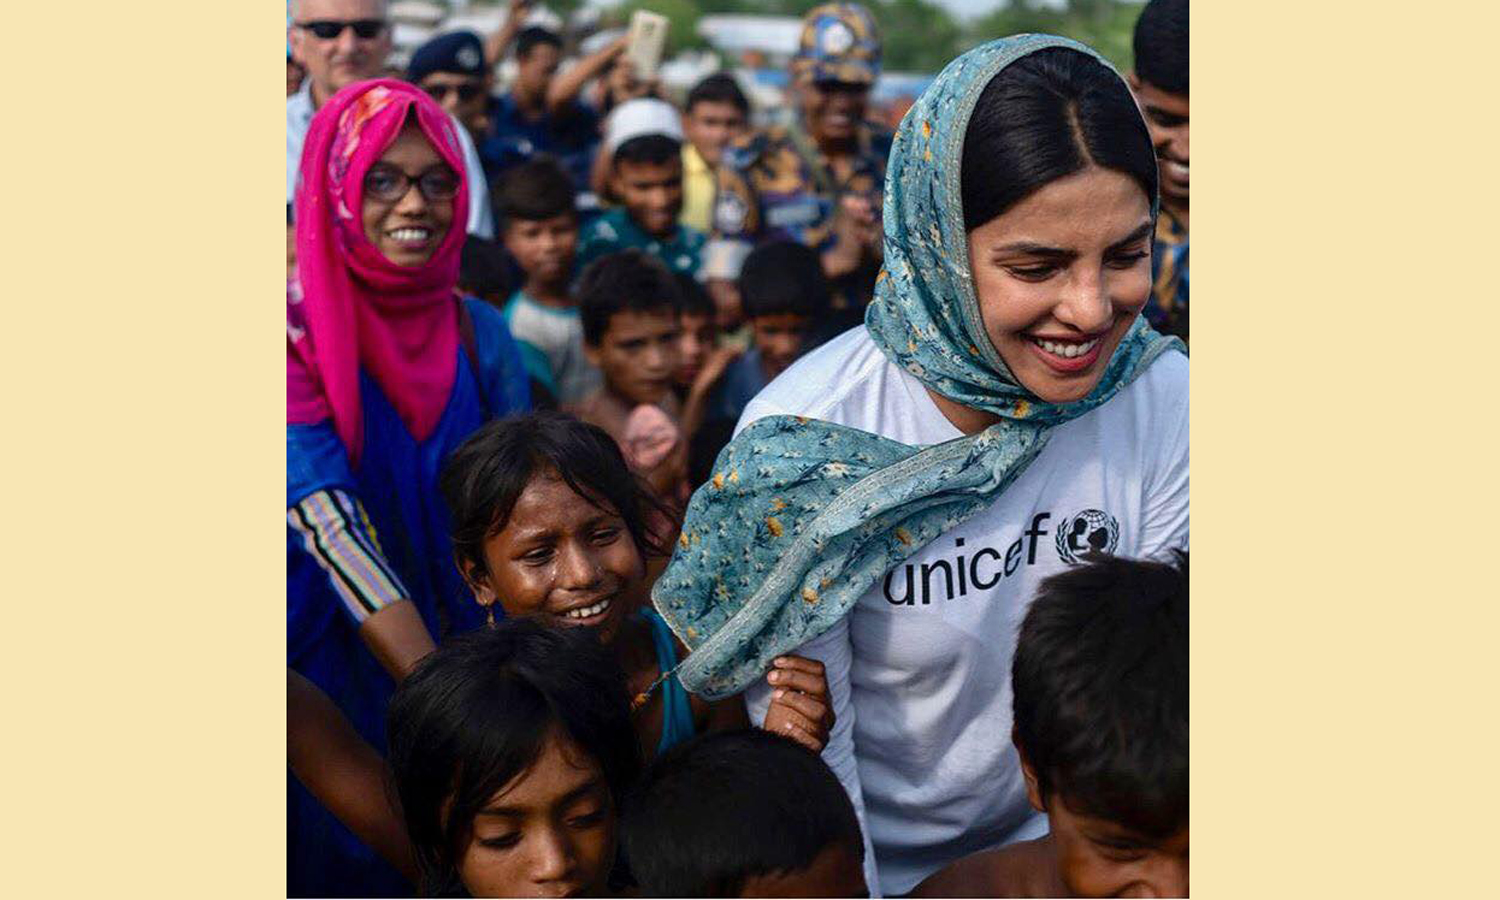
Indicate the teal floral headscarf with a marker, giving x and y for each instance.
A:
(801, 517)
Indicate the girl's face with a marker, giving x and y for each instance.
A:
(549, 833)
(564, 559)
(1061, 276)
(399, 218)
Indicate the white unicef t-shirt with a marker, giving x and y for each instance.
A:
(925, 749)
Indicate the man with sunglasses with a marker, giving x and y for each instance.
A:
(451, 67)
(817, 177)
(340, 42)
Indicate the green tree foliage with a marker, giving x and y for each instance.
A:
(920, 35)
(1105, 25)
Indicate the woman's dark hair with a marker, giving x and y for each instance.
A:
(485, 476)
(476, 713)
(1044, 117)
(730, 806)
(1100, 685)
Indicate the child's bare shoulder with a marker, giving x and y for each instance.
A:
(1026, 869)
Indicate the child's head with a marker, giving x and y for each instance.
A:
(699, 331)
(783, 291)
(715, 114)
(548, 522)
(1101, 722)
(644, 141)
(742, 814)
(510, 749)
(628, 305)
(538, 219)
(484, 272)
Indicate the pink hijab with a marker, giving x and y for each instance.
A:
(349, 307)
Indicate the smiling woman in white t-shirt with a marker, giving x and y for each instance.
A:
(894, 498)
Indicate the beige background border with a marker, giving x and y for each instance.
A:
(1344, 683)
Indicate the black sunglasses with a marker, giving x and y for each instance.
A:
(465, 92)
(329, 29)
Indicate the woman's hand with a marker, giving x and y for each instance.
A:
(800, 706)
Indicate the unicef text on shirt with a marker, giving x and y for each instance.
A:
(1087, 531)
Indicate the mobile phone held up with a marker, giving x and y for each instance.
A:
(648, 39)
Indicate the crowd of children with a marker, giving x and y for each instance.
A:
(492, 495)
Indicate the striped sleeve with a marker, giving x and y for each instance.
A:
(337, 533)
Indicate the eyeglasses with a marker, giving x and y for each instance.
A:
(388, 184)
(465, 92)
(330, 29)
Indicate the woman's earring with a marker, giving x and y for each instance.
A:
(489, 614)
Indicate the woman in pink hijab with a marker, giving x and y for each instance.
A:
(388, 370)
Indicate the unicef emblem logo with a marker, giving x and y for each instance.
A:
(1091, 531)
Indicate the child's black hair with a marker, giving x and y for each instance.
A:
(486, 475)
(728, 806)
(1100, 684)
(476, 713)
(627, 280)
(533, 36)
(534, 190)
(693, 297)
(650, 149)
(718, 88)
(783, 277)
(486, 270)
(1161, 45)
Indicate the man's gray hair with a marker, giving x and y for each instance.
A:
(385, 9)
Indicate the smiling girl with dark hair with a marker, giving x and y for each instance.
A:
(548, 523)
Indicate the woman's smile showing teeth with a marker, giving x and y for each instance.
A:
(410, 235)
(1066, 355)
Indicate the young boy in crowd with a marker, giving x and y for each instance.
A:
(643, 146)
(1100, 686)
(1160, 82)
(699, 334)
(785, 295)
(742, 814)
(716, 113)
(701, 366)
(628, 304)
(539, 227)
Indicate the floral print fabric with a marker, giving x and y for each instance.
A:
(801, 516)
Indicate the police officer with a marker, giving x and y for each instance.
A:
(818, 177)
(451, 67)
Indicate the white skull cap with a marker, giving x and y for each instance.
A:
(636, 118)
